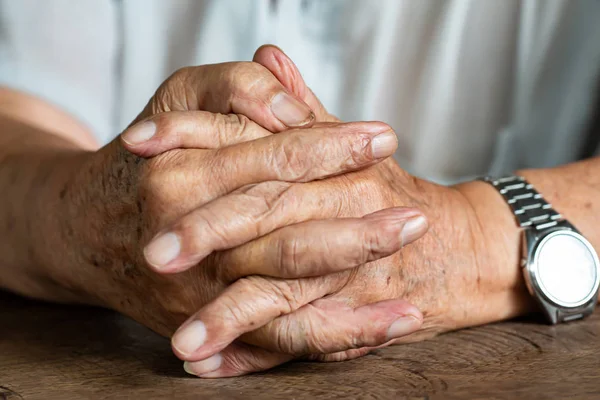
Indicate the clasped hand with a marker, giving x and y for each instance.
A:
(264, 247)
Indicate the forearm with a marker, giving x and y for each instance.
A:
(34, 165)
(572, 189)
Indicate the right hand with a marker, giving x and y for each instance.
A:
(115, 203)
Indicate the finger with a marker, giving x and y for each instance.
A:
(251, 90)
(324, 326)
(286, 72)
(299, 155)
(235, 360)
(320, 247)
(302, 155)
(189, 130)
(240, 359)
(361, 351)
(328, 326)
(245, 305)
(245, 88)
(340, 355)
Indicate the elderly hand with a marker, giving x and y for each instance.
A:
(239, 183)
(453, 274)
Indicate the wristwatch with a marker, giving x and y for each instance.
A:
(561, 268)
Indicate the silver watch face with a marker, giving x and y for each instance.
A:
(566, 268)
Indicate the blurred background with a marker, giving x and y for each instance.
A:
(470, 86)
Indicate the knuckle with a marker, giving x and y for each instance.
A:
(320, 340)
(358, 150)
(289, 294)
(349, 142)
(218, 237)
(240, 363)
(252, 82)
(277, 295)
(234, 363)
(243, 75)
(151, 176)
(171, 94)
(181, 74)
(271, 200)
(289, 258)
(233, 310)
(293, 161)
(284, 295)
(163, 168)
(290, 339)
(232, 313)
(231, 126)
(166, 125)
(356, 337)
(378, 243)
(246, 360)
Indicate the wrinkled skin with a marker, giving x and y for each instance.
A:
(114, 203)
(132, 199)
(452, 274)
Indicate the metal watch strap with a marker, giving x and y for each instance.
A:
(529, 207)
(533, 212)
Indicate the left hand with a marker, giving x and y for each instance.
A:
(459, 275)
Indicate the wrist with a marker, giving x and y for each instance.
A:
(498, 241)
(473, 247)
(579, 207)
(50, 257)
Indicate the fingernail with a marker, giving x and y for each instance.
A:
(163, 250)
(200, 368)
(403, 326)
(384, 145)
(413, 229)
(190, 338)
(139, 133)
(291, 111)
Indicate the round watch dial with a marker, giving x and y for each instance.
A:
(566, 268)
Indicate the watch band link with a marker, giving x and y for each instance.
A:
(528, 206)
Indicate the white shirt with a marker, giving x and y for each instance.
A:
(470, 86)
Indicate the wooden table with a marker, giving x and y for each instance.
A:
(58, 352)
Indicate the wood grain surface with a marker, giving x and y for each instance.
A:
(60, 352)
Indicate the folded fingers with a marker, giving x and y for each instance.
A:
(253, 211)
(320, 247)
(301, 325)
(236, 359)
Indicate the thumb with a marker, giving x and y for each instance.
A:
(284, 69)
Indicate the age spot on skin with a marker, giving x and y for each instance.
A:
(130, 271)
(63, 192)
(127, 301)
(99, 261)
